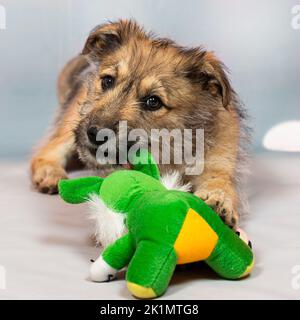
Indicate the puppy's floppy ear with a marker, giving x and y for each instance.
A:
(108, 37)
(206, 69)
(102, 39)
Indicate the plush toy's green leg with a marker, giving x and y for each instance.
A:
(232, 258)
(115, 257)
(119, 254)
(150, 270)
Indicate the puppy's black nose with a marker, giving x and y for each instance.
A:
(92, 135)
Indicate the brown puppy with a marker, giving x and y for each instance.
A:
(124, 73)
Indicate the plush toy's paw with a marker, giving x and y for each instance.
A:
(46, 176)
(100, 271)
(221, 204)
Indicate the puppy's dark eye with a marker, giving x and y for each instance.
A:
(107, 82)
(152, 103)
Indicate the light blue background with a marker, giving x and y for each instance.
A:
(253, 37)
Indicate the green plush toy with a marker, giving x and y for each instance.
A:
(165, 228)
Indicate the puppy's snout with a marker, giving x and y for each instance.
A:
(92, 133)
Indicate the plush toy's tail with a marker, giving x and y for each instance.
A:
(78, 190)
(144, 162)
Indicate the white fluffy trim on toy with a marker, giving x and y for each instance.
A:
(109, 225)
(173, 181)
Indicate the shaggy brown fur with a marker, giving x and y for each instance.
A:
(194, 90)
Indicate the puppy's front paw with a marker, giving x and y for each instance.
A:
(46, 176)
(221, 204)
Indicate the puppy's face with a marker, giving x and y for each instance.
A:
(147, 82)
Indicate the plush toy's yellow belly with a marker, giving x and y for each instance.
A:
(196, 239)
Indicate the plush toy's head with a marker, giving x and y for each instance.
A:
(120, 188)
